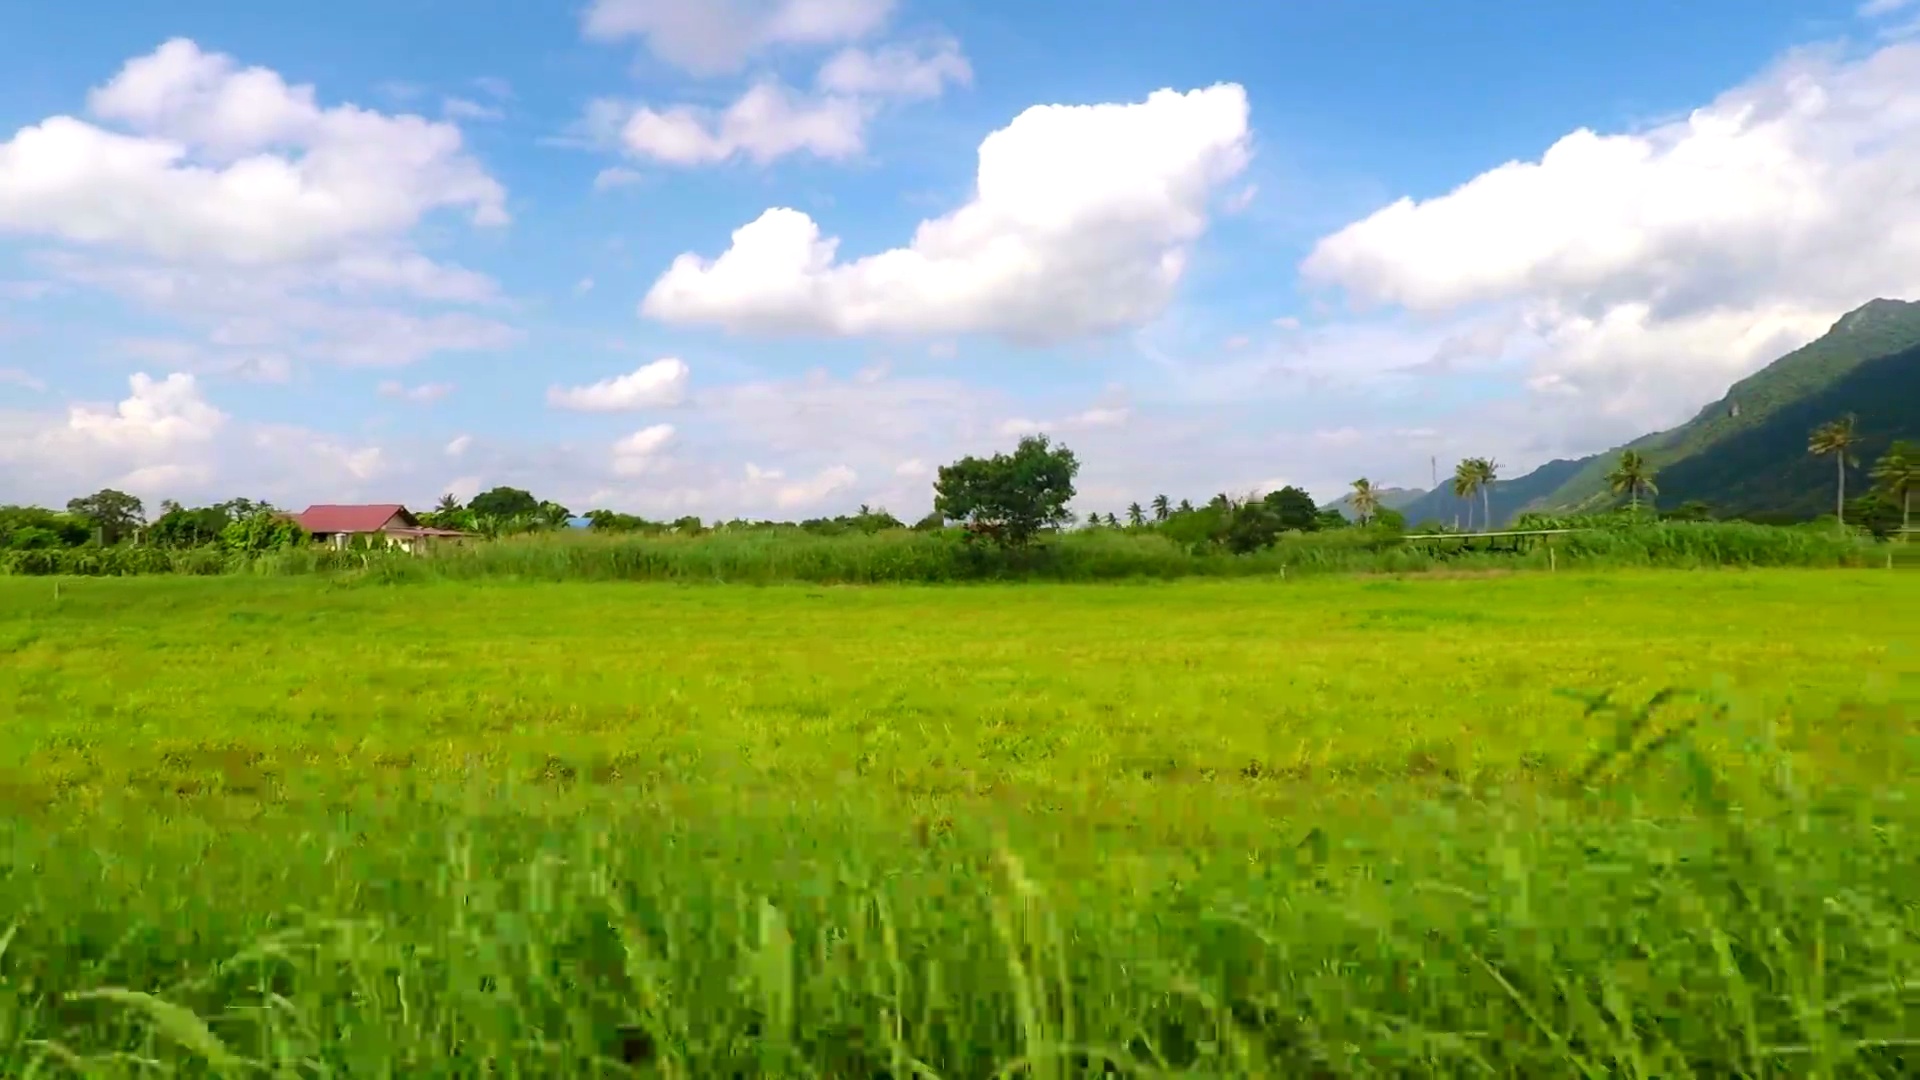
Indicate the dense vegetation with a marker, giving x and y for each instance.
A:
(1332, 828)
(997, 518)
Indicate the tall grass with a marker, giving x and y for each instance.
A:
(257, 827)
(1760, 933)
(768, 556)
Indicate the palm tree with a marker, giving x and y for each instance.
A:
(1898, 474)
(1185, 507)
(1112, 522)
(1836, 440)
(447, 505)
(1135, 516)
(1632, 476)
(1161, 508)
(1488, 470)
(1365, 500)
(1466, 482)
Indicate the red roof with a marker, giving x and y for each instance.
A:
(352, 519)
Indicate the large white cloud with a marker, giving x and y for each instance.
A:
(1649, 269)
(1081, 222)
(713, 37)
(226, 198)
(230, 163)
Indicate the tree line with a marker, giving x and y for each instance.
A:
(1008, 499)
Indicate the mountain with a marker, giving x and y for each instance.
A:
(1391, 498)
(1746, 453)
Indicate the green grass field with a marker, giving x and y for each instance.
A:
(1334, 827)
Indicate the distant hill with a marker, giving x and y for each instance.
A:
(1391, 498)
(1747, 452)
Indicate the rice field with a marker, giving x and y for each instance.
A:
(1329, 827)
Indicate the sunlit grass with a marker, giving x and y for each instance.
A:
(1240, 828)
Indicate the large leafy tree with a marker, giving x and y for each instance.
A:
(504, 503)
(116, 513)
(180, 527)
(1896, 475)
(1293, 509)
(1836, 440)
(1631, 476)
(1009, 498)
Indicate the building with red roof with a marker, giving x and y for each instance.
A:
(342, 525)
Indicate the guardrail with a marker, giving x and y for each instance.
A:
(1480, 535)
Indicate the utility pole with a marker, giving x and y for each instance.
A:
(1433, 463)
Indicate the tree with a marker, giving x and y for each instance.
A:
(1185, 507)
(1112, 522)
(504, 503)
(1896, 475)
(1009, 498)
(1161, 508)
(553, 515)
(447, 505)
(1632, 476)
(1691, 510)
(115, 513)
(1136, 517)
(183, 528)
(1466, 483)
(1836, 440)
(1293, 509)
(260, 531)
(1365, 499)
(1248, 526)
(1486, 470)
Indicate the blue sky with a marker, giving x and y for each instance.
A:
(381, 251)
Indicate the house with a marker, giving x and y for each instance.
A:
(341, 526)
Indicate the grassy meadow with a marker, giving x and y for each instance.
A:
(1332, 826)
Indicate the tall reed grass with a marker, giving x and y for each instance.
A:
(768, 556)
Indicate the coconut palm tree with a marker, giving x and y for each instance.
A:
(1898, 474)
(1365, 500)
(1487, 470)
(1466, 482)
(1632, 476)
(447, 505)
(1161, 508)
(1836, 440)
(1185, 507)
(1136, 517)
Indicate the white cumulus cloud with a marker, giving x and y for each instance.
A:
(661, 383)
(230, 163)
(769, 121)
(636, 453)
(1647, 269)
(222, 196)
(1082, 221)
